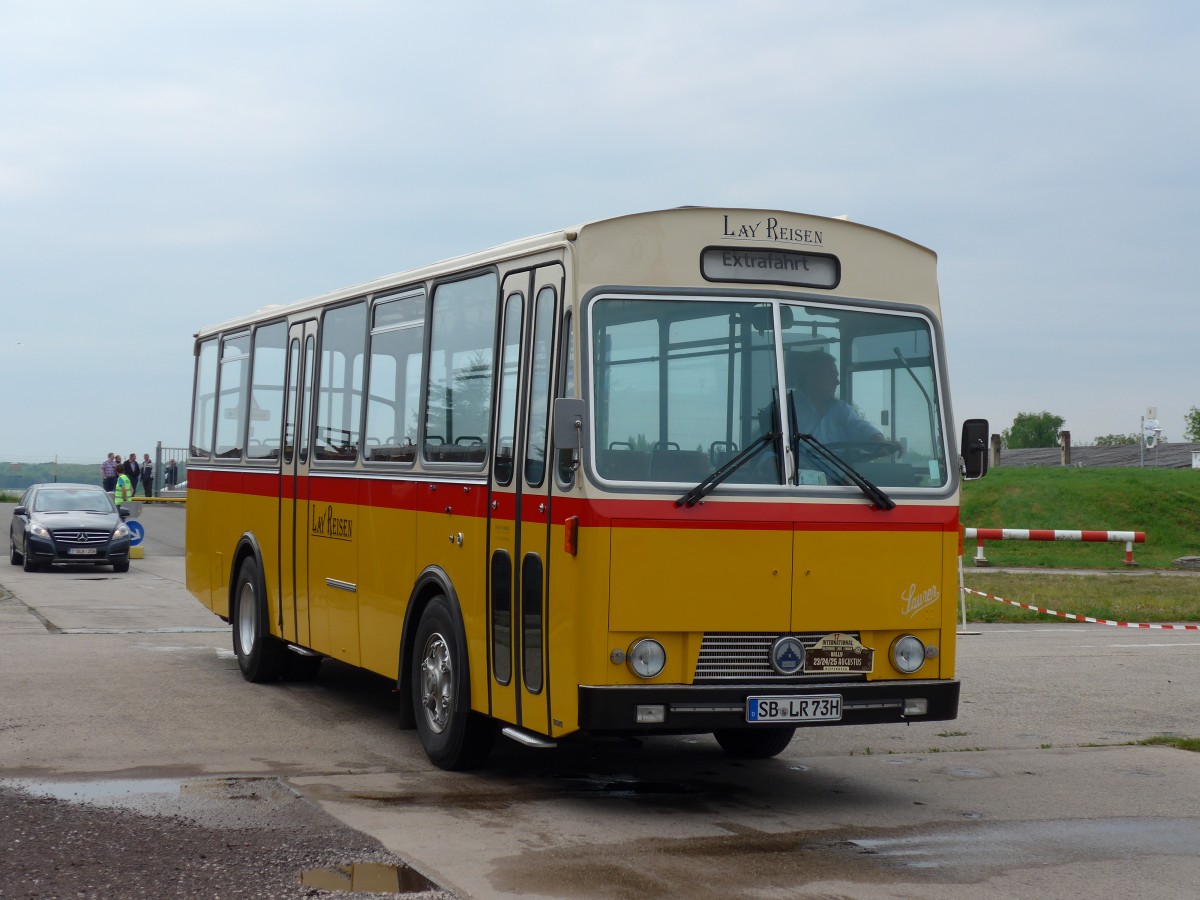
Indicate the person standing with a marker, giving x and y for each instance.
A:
(123, 492)
(133, 470)
(108, 472)
(172, 473)
(147, 476)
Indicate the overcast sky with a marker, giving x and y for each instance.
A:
(169, 166)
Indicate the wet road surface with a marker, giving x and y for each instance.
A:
(122, 691)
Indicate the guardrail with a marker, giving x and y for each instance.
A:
(1128, 538)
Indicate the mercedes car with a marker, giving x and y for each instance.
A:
(69, 524)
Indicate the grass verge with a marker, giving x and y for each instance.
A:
(1125, 598)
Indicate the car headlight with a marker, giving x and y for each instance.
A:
(908, 654)
(121, 532)
(39, 531)
(646, 658)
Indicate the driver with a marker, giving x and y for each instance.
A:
(813, 376)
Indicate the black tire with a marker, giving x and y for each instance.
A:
(14, 556)
(121, 566)
(28, 563)
(754, 743)
(260, 655)
(300, 666)
(454, 737)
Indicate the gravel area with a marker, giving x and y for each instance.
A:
(219, 838)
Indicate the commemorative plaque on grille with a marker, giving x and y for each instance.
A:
(838, 653)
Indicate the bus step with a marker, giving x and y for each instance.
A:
(528, 738)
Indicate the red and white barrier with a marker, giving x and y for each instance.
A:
(1128, 538)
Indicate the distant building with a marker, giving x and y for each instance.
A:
(1164, 456)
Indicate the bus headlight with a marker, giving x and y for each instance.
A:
(646, 658)
(908, 654)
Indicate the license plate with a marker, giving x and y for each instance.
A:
(82, 551)
(812, 708)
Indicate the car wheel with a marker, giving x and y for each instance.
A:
(121, 566)
(30, 565)
(13, 556)
(454, 736)
(754, 743)
(260, 654)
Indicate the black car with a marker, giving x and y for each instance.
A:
(69, 523)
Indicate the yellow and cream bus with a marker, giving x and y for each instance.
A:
(685, 471)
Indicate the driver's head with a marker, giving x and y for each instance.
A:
(814, 372)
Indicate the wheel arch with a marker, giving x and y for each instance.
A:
(247, 547)
(429, 584)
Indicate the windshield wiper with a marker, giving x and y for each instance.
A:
(826, 457)
(705, 487)
(727, 468)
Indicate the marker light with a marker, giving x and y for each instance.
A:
(646, 658)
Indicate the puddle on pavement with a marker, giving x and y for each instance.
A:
(375, 878)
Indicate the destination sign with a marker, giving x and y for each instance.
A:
(817, 270)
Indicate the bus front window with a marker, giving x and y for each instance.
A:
(680, 387)
(865, 384)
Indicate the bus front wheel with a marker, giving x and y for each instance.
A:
(259, 653)
(754, 743)
(454, 736)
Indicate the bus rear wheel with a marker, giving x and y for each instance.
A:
(754, 743)
(454, 736)
(260, 654)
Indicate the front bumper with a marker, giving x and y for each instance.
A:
(697, 709)
(45, 552)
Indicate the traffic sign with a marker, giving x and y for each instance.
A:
(138, 530)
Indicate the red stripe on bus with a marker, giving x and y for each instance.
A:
(649, 512)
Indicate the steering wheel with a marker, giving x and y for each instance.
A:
(855, 452)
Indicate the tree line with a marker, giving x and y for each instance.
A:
(1044, 429)
(18, 476)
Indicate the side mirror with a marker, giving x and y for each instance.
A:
(570, 416)
(973, 449)
(123, 511)
(20, 511)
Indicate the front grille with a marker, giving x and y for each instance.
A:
(88, 537)
(734, 656)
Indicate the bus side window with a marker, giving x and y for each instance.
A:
(204, 406)
(397, 338)
(266, 391)
(340, 374)
(462, 334)
(232, 393)
(566, 388)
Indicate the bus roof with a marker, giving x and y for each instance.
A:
(596, 230)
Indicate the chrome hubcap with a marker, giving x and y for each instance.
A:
(437, 683)
(247, 613)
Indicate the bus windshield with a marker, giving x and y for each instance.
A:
(683, 385)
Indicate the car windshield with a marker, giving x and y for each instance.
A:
(67, 500)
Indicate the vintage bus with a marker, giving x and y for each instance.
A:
(677, 472)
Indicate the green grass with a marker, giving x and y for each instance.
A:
(1169, 740)
(1164, 503)
(1123, 598)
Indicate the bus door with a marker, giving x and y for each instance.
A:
(293, 488)
(519, 507)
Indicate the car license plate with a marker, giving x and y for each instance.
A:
(812, 708)
(82, 551)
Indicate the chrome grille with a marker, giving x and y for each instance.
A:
(89, 537)
(734, 656)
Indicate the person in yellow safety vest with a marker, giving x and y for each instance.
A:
(123, 492)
